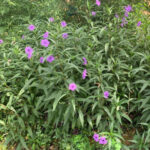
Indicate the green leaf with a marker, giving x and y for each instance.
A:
(98, 119)
(90, 121)
(21, 122)
(57, 99)
(25, 108)
(81, 117)
(2, 122)
(106, 47)
(23, 142)
(126, 116)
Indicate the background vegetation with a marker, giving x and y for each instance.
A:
(37, 111)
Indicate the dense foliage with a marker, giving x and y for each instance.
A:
(39, 108)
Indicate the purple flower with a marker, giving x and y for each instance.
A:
(102, 140)
(31, 27)
(85, 61)
(98, 3)
(93, 13)
(1, 41)
(72, 86)
(29, 51)
(106, 94)
(65, 35)
(139, 23)
(122, 24)
(123, 19)
(116, 16)
(96, 137)
(51, 19)
(42, 60)
(126, 14)
(128, 8)
(29, 55)
(63, 24)
(84, 74)
(22, 37)
(45, 43)
(45, 35)
(50, 58)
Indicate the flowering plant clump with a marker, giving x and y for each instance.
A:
(75, 75)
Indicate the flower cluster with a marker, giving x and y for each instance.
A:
(101, 140)
(126, 14)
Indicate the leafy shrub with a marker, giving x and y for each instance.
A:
(35, 99)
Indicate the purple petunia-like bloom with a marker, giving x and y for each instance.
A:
(96, 137)
(1, 41)
(84, 74)
(122, 24)
(63, 24)
(116, 16)
(45, 43)
(65, 35)
(93, 13)
(139, 23)
(126, 14)
(42, 60)
(29, 51)
(31, 27)
(85, 61)
(51, 19)
(50, 58)
(128, 8)
(123, 21)
(72, 86)
(22, 37)
(106, 94)
(102, 140)
(98, 3)
(45, 35)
